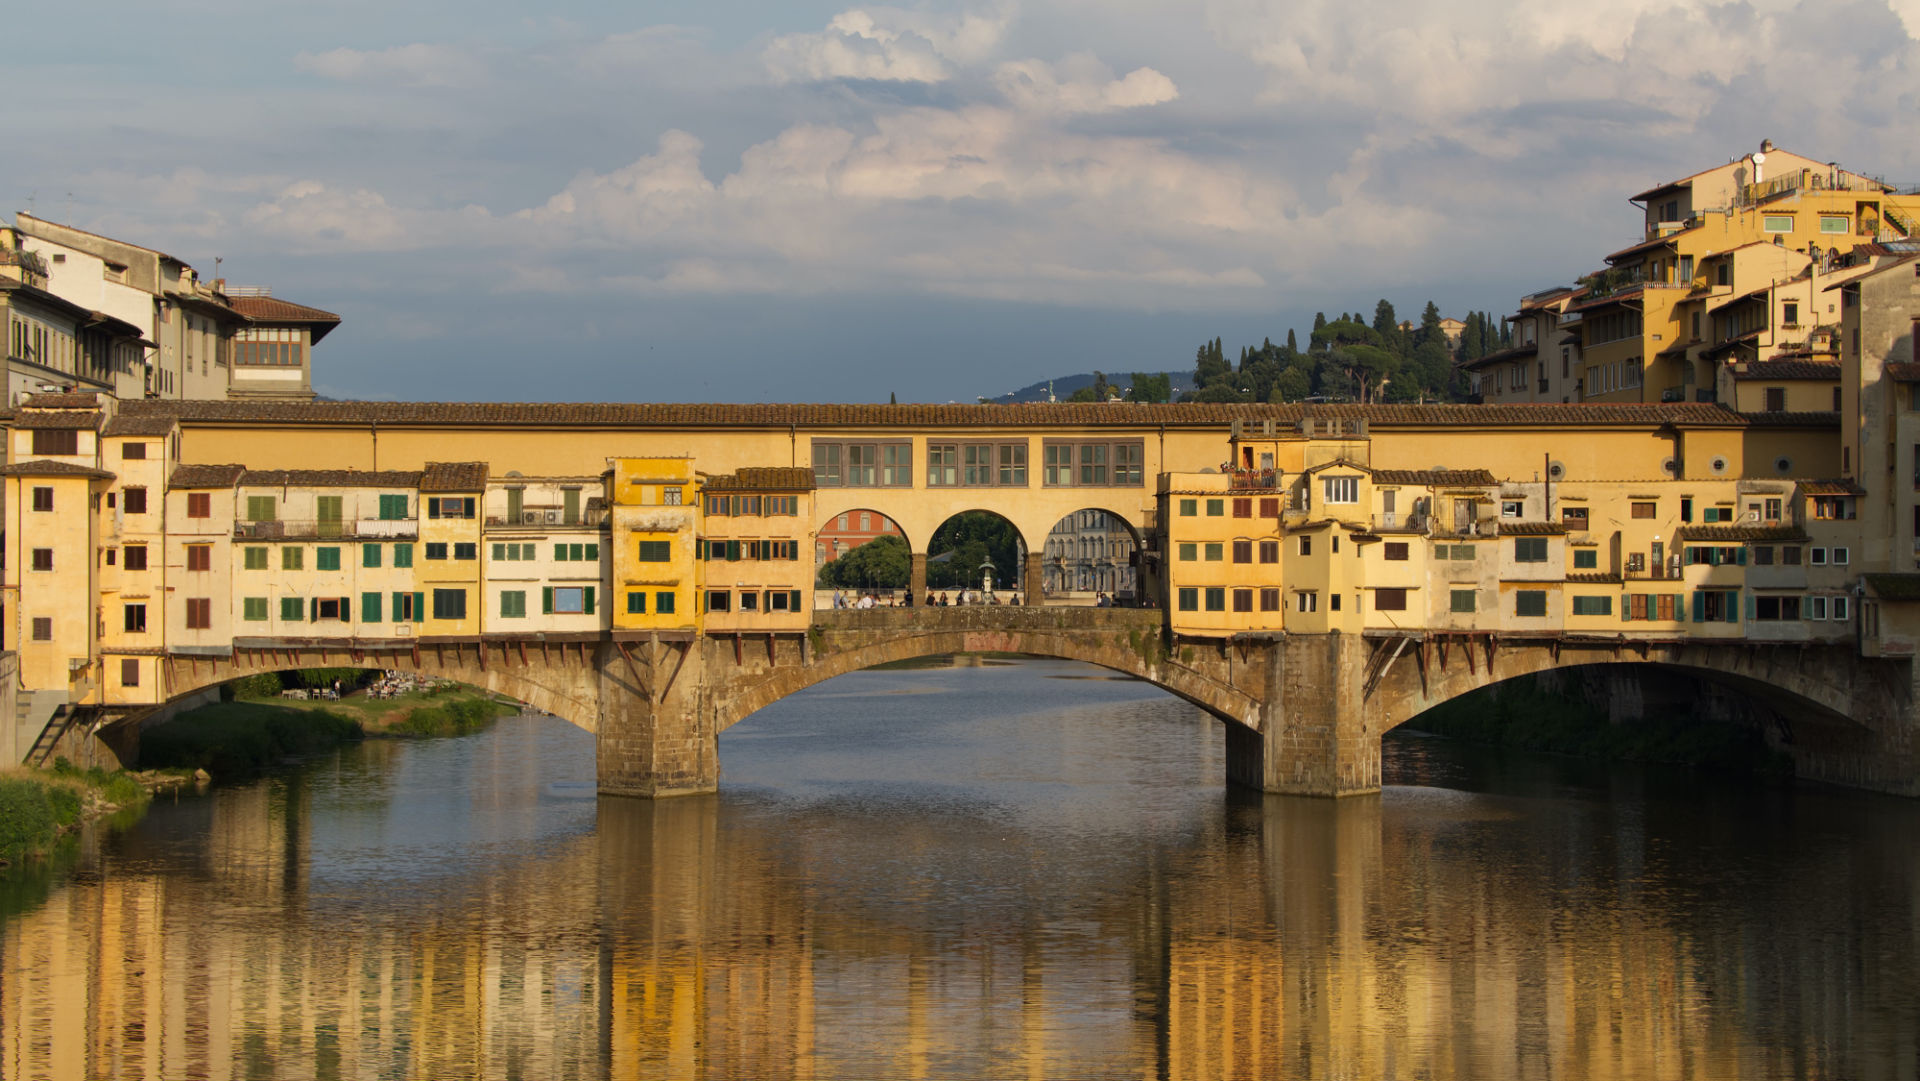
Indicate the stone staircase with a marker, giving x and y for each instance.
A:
(44, 717)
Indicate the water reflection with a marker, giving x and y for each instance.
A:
(1001, 874)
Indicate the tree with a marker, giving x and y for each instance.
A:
(882, 563)
(972, 537)
(1210, 364)
(1293, 344)
(1366, 366)
(1157, 387)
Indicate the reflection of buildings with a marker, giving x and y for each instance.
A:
(1089, 551)
(848, 531)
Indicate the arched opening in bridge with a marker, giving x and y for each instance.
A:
(1090, 554)
(976, 550)
(861, 549)
(1641, 712)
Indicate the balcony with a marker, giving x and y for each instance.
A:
(1252, 480)
(312, 529)
(547, 518)
(1401, 523)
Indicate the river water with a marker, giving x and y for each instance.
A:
(1013, 871)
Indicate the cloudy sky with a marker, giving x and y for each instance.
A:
(740, 200)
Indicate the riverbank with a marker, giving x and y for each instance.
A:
(250, 736)
(38, 808)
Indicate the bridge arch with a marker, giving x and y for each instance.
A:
(1130, 651)
(1091, 549)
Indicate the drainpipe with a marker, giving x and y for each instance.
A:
(373, 431)
(1546, 479)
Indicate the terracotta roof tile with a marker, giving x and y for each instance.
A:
(783, 479)
(1532, 529)
(1739, 533)
(206, 476)
(1787, 370)
(329, 478)
(1434, 478)
(1592, 578)
(74, 400)
(155, 425)
(60, 418)
(1894, 587)
(1793, 420)
(40, 467)
(1046, 415)
(454, 477)
(1830, 487)
(1903, 371)
(275, 310)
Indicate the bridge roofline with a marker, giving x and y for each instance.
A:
(1039, 415)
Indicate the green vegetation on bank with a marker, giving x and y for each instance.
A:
(457, 716)
(229, 739)
(1537, 718)
(37, 808)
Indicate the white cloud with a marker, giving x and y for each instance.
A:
(885, 44)
(404, 65)
(1080, 84)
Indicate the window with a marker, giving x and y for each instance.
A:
(370, 555)
(136, 501)
(636, 603)
(43, 499)
(1306, 600)
(329, 609)
(403, 555)
(1216, 507)
(577, 553)
(436, 549)
(1839, 610)
(1269, 600)
(719, 600)
(1461, 600)
(1790, 555)
(1512, 508)
(1243, 551)
(1214, 551)
(49, 441)
(130, 672)
(1839, 557)
(1269, 551)
(1574, 518)
(896, 465)
(1644, 509)
(1776, 400)
(1390, 600)
(199, 613)
(1306, 546)
(1243, 600)
(136, 559)
(42, 629)
(1790, 313)
(292, 558)
(1776, 223)
(1394, 551)
(1216, 597)
(1340, 489)
(943, 468)
(291, 610)
(449, 604)
(134, 618)
(450, 507)
(1530, 602)
(370, 608)
(199, 505)
(1189, 508)
(254, 558)
(671, 497)
(326, 559)
(719, 506)
(1834, 223)
(863, 465)
(513, 603)
(1189, 551)
(1815, 607)
(1776, 609)
(1189, 599)
(1530, 549)
(1243, 508)
(253, 609)
(663, 602)
(749, 601)
(1586, 559)
(1817, 556)
(1093, 464)
(465, 550)
(861, 458)
(1762, 555)
(393, 508)
(1592, 606)
(199, 557)
(1269, 506)
(656, 551)
(260, 508)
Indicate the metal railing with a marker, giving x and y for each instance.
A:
(315, 529)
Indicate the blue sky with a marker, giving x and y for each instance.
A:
(800, 201)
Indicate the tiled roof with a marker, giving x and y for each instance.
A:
(40, 467)
(1830, 487)
(763, 479)
(1502, 356)
(63, 418)
(1028, 415)
(1436, 478)
(330, 478)
(1592, 578)
(73, 400)
(155, 425)
(1739, 533)
(1787, 370)
(1532, 529)
(206, 476)
(275, 310)
(1894, 587)
(454, 477)
(1792, 420)
(1903, 371)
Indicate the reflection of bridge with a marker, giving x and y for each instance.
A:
(1304, 713)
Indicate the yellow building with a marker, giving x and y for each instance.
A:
(447, 575)
(654, 568)
(756, 543)
(546, 554)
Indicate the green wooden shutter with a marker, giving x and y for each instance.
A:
(346, 610)
(420, 606)
(499, 553)
(1730, 609)
(794, 603)
(589, 599)
(466, 508)
(1699, 606)
(1741, 558)
(593, 553)
(733, 551)
(559, 553)
(370, 607)
(546, 600)
(313, 609)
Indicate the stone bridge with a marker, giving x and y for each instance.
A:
(1304, 713)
